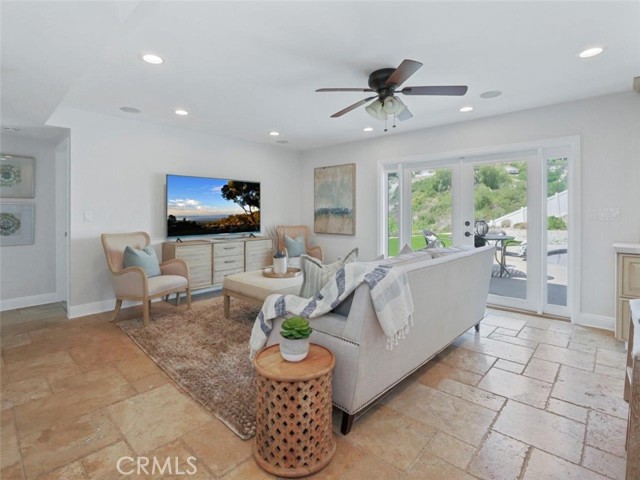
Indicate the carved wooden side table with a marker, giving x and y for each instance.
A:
(293, 412)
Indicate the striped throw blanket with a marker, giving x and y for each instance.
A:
(390, 295)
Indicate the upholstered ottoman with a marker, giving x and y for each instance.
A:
(253, 287)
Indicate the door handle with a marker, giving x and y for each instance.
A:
(467, 234)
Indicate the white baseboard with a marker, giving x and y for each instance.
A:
(76, 311)
(596, 321)
(91, 308)
(99, 307)
(32, 301)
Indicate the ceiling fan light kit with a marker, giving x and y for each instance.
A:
(375, 110)
(393, 105)
(385, 82)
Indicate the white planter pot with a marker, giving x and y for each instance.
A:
(294, 350)
(280, 265)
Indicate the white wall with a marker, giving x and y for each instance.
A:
(609, 127)
(118, 169)
(28, 272)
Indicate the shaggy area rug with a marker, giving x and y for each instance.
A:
(207, 355)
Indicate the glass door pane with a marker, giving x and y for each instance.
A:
(431, 207)
(500, 220)
(393, 213)
(557, 231)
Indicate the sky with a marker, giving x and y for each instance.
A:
(188, 196)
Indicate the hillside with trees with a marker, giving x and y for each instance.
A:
(499, 190)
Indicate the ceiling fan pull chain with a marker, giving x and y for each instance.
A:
(394, 120)
(385, 123)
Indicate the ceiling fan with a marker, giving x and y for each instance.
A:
(385, 82)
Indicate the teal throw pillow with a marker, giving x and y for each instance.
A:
(316, 275)
(296, 247)
(145, 258)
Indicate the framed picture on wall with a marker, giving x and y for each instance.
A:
(17, 224)
(334, 197)
(17, 176)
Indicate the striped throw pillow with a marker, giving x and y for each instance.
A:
(316, 275)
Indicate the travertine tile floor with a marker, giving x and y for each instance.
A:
(527, 398)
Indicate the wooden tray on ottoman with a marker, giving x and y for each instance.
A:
(291, 272)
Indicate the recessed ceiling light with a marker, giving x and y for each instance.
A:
(274, 133)
(367, 129)
(491, 94)
(591, 52)
(466, 109)
(153, 59)
(181, 112)
(130, 109)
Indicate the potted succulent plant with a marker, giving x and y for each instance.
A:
(295, 333)
(280, 262)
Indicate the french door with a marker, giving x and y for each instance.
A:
(516, 202)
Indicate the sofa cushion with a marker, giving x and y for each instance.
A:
(145, 258)
(441, 252)
(162, 283)
(295, 247)
(407, 257)
(316, 275)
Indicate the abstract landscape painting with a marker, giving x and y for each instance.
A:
(334, 199)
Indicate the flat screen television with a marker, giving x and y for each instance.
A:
(211, 206)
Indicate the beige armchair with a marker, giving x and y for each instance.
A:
(131, 283)
(295, 231)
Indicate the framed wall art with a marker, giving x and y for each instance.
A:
(16, 224)
(334, 197)
(17, 176)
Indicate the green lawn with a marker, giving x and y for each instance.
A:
(417, 242)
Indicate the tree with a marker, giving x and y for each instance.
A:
(493, 176)
(245, 194)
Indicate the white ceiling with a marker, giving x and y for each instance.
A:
(244, 68)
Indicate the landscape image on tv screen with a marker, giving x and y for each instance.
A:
(211, 206)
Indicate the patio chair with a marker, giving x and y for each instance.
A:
(520, 252)
(432, 239)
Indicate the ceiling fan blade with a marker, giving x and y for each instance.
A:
(405, 115)
(351, 107)
(457, 90)
(403, 72)
(344, 90)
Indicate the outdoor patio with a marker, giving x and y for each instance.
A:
(515, 284)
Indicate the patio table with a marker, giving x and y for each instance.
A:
(500, 242)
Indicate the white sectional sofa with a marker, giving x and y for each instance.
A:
(449, 295)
